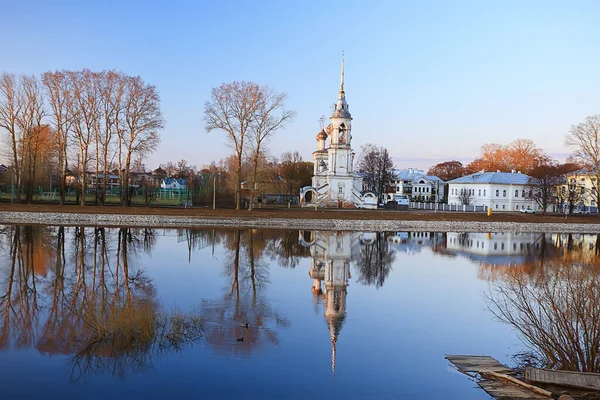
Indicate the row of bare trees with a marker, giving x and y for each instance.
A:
(81, 121)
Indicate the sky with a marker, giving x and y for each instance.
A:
(430, 80)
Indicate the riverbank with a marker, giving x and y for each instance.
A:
(380, 220)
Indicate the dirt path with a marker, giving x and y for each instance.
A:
(297, 213)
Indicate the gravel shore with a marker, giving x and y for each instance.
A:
(11, 217)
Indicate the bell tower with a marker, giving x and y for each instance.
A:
(340, 150)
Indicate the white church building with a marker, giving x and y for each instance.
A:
(334, 182)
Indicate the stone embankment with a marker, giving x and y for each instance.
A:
(155, 221)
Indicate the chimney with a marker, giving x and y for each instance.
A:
(497, 170)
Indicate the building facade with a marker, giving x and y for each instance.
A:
(579, 187)
(334, 183)
(417, 185)
(500, 191)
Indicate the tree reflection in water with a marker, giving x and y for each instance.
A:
(243, 302)
(101, 309)
(375, 259)
(557, 312)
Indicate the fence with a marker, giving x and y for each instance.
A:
(447, 207)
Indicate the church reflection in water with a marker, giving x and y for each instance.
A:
(331, 253)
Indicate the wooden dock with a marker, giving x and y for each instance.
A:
(475, 364)
(500, 389)
(582, 380)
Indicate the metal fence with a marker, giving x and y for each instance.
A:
(447, 207)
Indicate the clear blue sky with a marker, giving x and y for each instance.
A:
(430, 80)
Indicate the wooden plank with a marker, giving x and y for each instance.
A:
(469, 363)
(504, 391)
(583, 380)
(499, 389)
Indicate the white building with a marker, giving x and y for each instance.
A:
(508, 248)
(334, 183)
(500, 191)
(417, 185)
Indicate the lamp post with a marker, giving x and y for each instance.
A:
(214, 190)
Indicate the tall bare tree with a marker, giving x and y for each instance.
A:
(86, 116)
(60, 98)
(232, 108)
(377, 166)
(584, 139)
(112, 87)
(142, 122)
(10, 110)
(269, 117)
(30, 121)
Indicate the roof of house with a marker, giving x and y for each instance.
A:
(506, 178)
(169, 181)
(412, 174)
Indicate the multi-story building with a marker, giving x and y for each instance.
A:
(417, 185)
(500, 191)
(579, 187)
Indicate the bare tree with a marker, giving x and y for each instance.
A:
(112, 87)
(60, 97)
(465, 197)
(232, 108)
(86, 115)
(142, 121)
(377, 166)
(30, 121)
(584, 138)
(10, 109)
(558, 315)
(269, 117)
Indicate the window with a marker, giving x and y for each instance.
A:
(495, 246)
(484, 192)
(340, 189)
(517, 207)
(497, 193)
(582, 190)
(504, 206)
(523, 193)
(496, 206)
(479, 192)
(501, 246)
(504, 193)
(516, 193)
(530, 194)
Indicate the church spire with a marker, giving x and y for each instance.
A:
(342, 75)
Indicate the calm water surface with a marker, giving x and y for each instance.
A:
(161, 313)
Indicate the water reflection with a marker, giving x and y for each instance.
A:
(85, 293)
(244, 319)
(86, 300)
(331, 255)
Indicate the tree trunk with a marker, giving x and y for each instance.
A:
(238, 190)
(251, 205)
